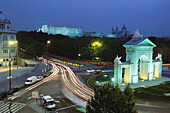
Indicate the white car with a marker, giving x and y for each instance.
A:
(107, 71)
(48, 102)
(39, 78)
(90, 70)
(31, 80)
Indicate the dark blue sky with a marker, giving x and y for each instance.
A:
(152, 17)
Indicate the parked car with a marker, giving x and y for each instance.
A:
(31, 80)
(3, 95)
(12, 90)
(39, 78)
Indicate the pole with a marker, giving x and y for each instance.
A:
(17, 54)
(48, 42)
(9, 67)
(47, 58)
(10, 107)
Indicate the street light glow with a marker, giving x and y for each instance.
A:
(12, 42)
(98, 44)
(48, 42)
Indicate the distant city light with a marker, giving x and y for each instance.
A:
(97, 81)
(105, 75)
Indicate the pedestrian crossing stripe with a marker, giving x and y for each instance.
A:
(14, 108)
(1, 102)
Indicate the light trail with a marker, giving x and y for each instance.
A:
(74, 84)
(54, 71)
(77, 87)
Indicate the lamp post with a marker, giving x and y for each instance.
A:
(48, 42)
(96, 46)
(17, 53)
(9, 77)
(79, 59)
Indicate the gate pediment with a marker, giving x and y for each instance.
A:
(146, 42)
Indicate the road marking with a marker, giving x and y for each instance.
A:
(68, 104)
(59, 97)
(64, 108)
(63, 100)
(1, 102)
(15, 107)
(29, 98)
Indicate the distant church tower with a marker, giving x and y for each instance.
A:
(116, 29)
(124, 29)
(113, 31)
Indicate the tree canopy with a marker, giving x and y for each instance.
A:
(34, 43)
(110, 99)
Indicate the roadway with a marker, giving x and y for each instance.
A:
(66, 77)
(143, 107)
(51, 85)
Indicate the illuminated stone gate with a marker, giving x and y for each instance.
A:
(139, 64)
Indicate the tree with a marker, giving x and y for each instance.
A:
(110, 99)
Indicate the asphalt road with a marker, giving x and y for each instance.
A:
(52, 88)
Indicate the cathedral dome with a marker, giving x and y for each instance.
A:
(3, 18)
(124, 27)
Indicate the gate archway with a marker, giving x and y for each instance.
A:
(144, 62)
(139, 52)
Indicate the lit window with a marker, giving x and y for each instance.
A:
(5, 38)
(5, 50)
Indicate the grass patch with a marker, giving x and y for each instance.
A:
(92, 82)
(99, 78)
(156, 93)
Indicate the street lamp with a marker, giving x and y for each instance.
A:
(16, 42)
(96, 47)
(79, 59)
(48, 42)
(96, 43)
(9, 77)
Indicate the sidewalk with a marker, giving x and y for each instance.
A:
(6, 68)
(18, 76)
(147, 83)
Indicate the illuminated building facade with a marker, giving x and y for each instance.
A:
(67, 31)
(139, 64)
(94, 34)
(6, 35)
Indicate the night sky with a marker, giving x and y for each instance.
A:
(152, 17)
